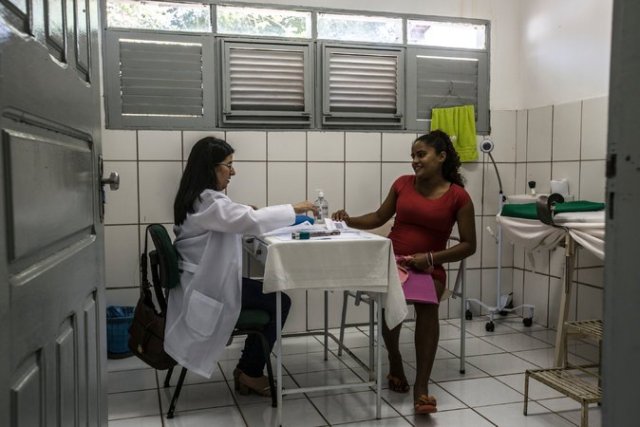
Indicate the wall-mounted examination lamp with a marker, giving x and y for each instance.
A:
(486, 146)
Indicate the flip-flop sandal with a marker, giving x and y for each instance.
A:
(426, 405)
(398, 385)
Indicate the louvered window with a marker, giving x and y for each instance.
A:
(158, 82)
(363, 87)
(168, 66)
(266, 84)
(447, 78)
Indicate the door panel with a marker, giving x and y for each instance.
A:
(46, 172)
(26, 393)
(55, 27)
(83, 52)
(66, 378)
(89, 373)
(52, 309)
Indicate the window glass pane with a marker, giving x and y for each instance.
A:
(263, 22)
(158, 16)
(359, 28)
(446, 34)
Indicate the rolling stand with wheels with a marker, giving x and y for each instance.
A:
(504, 304)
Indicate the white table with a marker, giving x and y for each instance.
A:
(582, 228)
(352, 261)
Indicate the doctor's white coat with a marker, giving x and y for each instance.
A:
(203, 310)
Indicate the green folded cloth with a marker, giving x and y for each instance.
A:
(460, 124)
(529, 211)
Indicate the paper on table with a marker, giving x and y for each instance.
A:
(306, 226)
(343, 236)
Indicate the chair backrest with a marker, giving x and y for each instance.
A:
(460, 276)
(166, 257)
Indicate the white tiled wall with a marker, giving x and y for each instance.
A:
(325, 146)
(355, 170)
(539, 134)
(158, 185)
(567, 119)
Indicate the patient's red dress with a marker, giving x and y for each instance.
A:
(422, 224)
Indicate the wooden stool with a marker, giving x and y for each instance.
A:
(564, 379)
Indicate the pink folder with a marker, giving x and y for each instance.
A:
(418, 286)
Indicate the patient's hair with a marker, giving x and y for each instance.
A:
(440, 141)
(199, 174)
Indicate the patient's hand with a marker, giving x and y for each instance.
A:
(420, 262)
(340, 215)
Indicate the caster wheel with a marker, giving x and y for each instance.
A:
(503, 312)
(468, 315)
(527, 321)
(490, 326)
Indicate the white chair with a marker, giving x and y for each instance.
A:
(459, 290)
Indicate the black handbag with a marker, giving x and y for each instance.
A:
(146, 334)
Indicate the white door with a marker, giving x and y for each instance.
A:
(52, 326)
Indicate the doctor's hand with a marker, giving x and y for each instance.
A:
(341, 215)
(304, 207)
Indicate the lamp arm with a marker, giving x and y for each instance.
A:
(497, 173)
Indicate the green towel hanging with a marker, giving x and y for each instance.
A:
(460, 124)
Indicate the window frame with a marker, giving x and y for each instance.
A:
(113, 101)
(315, 67)
(360, 119)
(286, 117)
(482, 114)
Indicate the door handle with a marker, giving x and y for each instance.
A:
(113, 181)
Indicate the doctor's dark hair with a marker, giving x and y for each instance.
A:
(199, 174)
(440, 141)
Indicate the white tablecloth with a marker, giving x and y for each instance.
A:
(354, 261)
(586, 228)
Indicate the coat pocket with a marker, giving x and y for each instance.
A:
(203, 313)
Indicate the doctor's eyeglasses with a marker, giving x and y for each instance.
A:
(229, 165)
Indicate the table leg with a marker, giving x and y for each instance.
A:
(565, 298)
(279, 356)
(326, 325)
(379, 358)
(372, 302)
(463, 318)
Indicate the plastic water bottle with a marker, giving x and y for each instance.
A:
(323, 208)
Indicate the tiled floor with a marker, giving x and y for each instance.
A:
(490, 393)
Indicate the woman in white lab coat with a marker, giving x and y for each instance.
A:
(203, 310)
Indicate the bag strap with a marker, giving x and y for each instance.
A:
(150, 260)
(145, 284)
(155, 278)
(144, 265)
